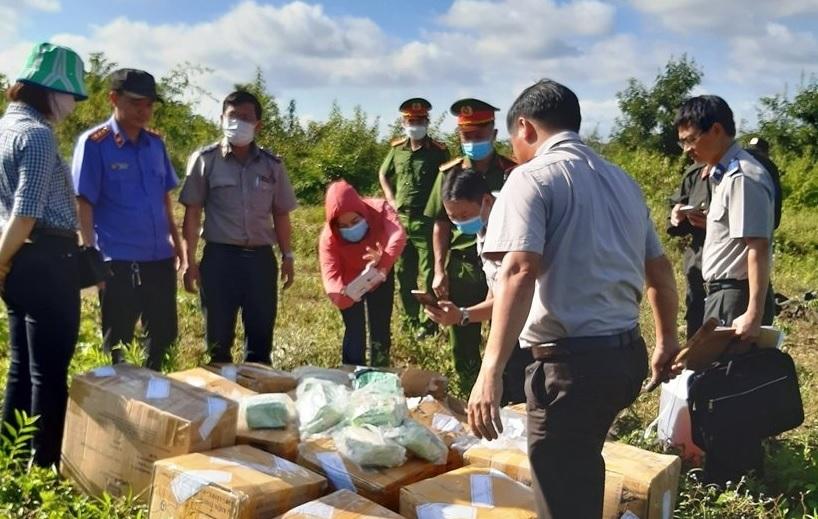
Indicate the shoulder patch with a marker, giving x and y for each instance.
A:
(733, 167)
(446, 166)
(399, 141)
(270, 155)
(99, 134)
(438, 144)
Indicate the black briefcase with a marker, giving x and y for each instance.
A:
(754, 394)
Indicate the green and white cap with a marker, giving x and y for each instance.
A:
(55, 68)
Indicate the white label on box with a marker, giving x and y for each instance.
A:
(158, 388)
(445, 511)
(188, 483)
(215, 409)
(666, 499)
(629, 515)
(482, 493)
(215, 460)
(336, 471)
(230, 373)
(104, 371)
(446, 423)
(195, 381)
(315, 509)
(289, 466)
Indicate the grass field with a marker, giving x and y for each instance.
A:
(309, 331)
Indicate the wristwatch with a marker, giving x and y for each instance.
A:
(464, 316)
(288, 255)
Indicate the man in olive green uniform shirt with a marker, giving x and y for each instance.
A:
(458, 272)
(406, 176)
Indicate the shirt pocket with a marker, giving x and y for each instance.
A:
(263, 192)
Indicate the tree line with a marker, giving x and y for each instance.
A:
(643, 139)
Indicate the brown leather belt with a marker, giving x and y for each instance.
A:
(570, 346)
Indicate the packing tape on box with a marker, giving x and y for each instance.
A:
(230, 373)
(195, 381)
(104, 371)
(315, 509)
(336, 471)
(215, 409)
(667, 499)
(446, 423)
(275, 468)
(482, 491)
(629, 515)
(445, 511)
(158, 388)
(188, 483)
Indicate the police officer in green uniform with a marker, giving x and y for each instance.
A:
(406, 176)
(458, 272)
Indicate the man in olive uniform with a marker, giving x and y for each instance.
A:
(406, 176)
(688, 217)
(458, 272)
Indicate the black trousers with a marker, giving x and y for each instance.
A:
(572, 402)
(232, 279)
(732, 457)
(42, 296)
(514, 376)
(694, 300)
(146, 291)
(375, 309)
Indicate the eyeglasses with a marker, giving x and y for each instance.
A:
(689, 141)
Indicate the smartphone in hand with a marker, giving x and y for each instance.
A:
(425, 298)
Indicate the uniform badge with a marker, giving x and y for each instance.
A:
(416, 107)
(466, 110)
(718, 173)
(119, 166)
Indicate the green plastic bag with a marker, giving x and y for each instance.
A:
(368, 447)
(267, 411)
(369, 406)
(382, 380)
(420, 441)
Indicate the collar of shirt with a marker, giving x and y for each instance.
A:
(22, 109)
(718, 171)
(556, 139)
(120, 138)
(227, 149)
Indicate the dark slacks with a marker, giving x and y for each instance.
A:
(694, 300)
(42, 296)
(514, 376)
(374, 310)
(237, 279)
(572, 402)
(139, 290)
(731, 457)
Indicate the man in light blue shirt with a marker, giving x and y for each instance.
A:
(123, 176)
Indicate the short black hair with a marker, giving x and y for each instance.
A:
(33, 95)
(549, 103)
(464, 184)
(240, 97)
(702, 112)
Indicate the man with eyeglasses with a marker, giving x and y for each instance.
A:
(246, 197)
(737, 252)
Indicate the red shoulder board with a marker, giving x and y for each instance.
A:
(99, 134)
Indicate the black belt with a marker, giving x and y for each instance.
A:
(582, 345)
(725, 284)
(38, 233)
(241, 248)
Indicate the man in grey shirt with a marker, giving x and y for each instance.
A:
(247, 198)
(737, 251)
(577, 247)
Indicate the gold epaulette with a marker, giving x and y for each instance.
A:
(153, 132)
(446, 166)
(399, 141)
(100, 133)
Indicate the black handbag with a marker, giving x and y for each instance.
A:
(754, 394)
(93, 269)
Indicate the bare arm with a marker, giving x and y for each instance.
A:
(284, 231)
(748, 325)
(513, 292)
(190, 240)
(441, 236)
(664, 302)
(85, 212)
(14, 235)
(181, 256)
(388, 194)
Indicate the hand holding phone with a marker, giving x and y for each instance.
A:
(425, 298)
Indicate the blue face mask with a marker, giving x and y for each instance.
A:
(355, 233)
(477, 150)
(470, 226)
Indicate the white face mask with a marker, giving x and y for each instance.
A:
(415, 133)
(238, 132)
(61, 105)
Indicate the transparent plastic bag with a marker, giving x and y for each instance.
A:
(321, 405)
(371, 406)
(267, 411)
(420, 441)
(332, 375)
(368, 447)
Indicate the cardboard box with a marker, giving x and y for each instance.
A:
(449, 424)
(468, 492)
(256, 377)
(342, 504)
(421, 382)
(207, 379)
(514, 463)
(379, 485)
(651, 480)
(122, 419)
(237, 482)
(281, 442)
